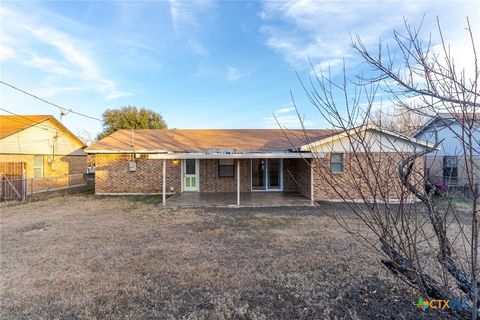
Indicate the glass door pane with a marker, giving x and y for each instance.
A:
(258, 174)
(190, 172)
(274, 167)
(190, 166)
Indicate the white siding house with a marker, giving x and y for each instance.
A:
(447, 164)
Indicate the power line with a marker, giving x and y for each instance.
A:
(32, 122)
(62, 109)
(39, 123)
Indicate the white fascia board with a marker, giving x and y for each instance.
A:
(162, 154)
(311, 146)
(422, 128)
(290, 155)
(124, 151)
(430, 121)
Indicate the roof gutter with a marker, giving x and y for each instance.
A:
(162, 154)
(125, 151)
(274, 155)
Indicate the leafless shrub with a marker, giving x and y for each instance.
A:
(425, 244)
(398, 120)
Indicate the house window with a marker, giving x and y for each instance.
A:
(450, 169)
(336, 162)
(38, 167)
(226, 168)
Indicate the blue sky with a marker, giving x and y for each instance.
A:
(201, 64)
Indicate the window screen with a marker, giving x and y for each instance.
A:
(450, 169)
(38, 166)
(336, 162)
(226, 167)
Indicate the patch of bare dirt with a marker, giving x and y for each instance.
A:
(82, 257)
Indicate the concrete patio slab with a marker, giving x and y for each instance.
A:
(229, 199)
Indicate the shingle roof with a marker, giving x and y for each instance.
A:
(441, 118)
(204, 140)
(13, 124)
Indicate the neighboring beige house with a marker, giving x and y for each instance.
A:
(40, 146)
(234, 160)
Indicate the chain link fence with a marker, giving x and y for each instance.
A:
(453, 186)
(21, 189)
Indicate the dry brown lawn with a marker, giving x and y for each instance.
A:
(82, 257)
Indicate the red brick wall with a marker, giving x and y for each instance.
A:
(303, 177)
(296, 176)
(358, 175)
(112, 175)
(290, 175)
(211, 182)
(76, 164)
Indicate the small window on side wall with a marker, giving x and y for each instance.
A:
(226, 168)
(450, 169)
(336, 162)
(37, 167)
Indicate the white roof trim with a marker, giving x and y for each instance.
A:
(275, 155)
(429, 122)
(149, 151)
(163, 154)
(310, 146)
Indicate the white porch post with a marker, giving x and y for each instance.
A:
(238, 182)
(164, 182)
(312, 184)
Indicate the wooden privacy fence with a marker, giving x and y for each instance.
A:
(12, 181)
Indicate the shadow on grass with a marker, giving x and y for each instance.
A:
(147, 199)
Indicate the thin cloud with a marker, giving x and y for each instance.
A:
(321, 31)
(197, 48)
(52, 91)
(66, 57)
(286, 118)
(184, 15)
(6, 48)
(284, 110)
(233, 74)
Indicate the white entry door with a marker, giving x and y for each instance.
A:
(190, 174)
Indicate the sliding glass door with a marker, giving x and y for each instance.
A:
(274, 178)
(266, 174)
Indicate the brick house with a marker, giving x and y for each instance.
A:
(39, 148)
(234, 160)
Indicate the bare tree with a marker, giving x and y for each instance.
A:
(85, 136)
(398, 119)
(427, 242)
